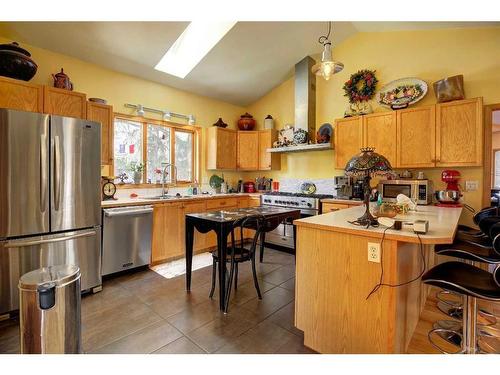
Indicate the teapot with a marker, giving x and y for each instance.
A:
(61, 81)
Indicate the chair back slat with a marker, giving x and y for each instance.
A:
(254, 222)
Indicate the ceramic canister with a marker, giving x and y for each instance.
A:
(269, 122)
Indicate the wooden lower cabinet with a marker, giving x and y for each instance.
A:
(167, 230)
(332, 207)
(169, 227)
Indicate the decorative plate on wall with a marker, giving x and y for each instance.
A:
(402, 92)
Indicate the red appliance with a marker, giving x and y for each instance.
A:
(451, 177)
(249, 187)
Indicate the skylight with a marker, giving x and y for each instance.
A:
(191, 46)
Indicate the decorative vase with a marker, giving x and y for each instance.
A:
(61, 81)
(269, 122)
(246, 122)
(137, 177)
(16, 62)
(220, 123)
(300, 136)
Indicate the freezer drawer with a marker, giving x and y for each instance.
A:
(127, 238)
(20, 256)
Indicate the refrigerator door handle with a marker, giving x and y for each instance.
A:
(43, 173)
(12, 244)
(57, 173)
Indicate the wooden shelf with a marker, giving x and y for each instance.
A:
(302, 148)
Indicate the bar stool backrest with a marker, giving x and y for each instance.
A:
(486, 223)
(254, 222)
(485, 212)
(496, 275)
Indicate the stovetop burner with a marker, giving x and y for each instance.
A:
(302, 195)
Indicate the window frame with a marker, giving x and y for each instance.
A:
(173, 127)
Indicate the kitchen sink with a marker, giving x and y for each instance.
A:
(166, 197)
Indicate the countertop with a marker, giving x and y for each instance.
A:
(342, 201)
(442, 224)
(139, 201)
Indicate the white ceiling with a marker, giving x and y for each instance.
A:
(248, 62)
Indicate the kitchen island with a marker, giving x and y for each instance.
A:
(334, 278)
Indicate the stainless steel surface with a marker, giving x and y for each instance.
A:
(283, 234)
(305, 97)
(19, 256)
(50, 310)
(127, 238)
(76, 170)
(447, 196)
(306, 205)
(343, 187)
(24, 173)
(49, 198)
(421, 190)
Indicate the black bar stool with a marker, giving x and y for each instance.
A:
(471, 250)
(472, 283)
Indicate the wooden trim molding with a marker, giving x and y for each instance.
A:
(487, 150)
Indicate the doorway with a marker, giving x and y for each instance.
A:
(491, 183)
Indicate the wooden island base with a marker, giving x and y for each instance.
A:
(334, 277)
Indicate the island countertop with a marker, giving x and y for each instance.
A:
(443, 222)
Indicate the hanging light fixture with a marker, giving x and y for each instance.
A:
(327, 67)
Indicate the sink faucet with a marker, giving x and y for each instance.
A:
(164, 174)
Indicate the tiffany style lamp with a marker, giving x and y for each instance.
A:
(366, 165)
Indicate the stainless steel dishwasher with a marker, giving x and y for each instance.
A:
(126, 238)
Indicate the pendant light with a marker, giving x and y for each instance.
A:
(327, 67)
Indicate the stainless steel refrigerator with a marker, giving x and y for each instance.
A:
(49, 198)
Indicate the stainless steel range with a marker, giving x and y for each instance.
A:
(309, 205)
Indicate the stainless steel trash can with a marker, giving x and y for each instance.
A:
(49, 310)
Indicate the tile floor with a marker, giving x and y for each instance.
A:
(142, 312)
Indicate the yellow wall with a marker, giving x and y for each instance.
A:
(118, 89)
(429, 55)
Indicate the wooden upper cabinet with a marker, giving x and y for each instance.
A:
(459, 133)
(103, 114)
(348, 139)
(268, 160)
(64, 103)
(379, 131)
(221, 145)
(248, 150)
(20, 95)
(416, 137)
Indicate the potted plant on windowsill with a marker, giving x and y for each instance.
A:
(136, 169)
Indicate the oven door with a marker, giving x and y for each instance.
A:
(283, 234)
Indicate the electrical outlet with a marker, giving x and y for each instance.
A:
(374, 252)
(471, 185)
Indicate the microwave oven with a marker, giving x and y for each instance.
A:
(421, 190)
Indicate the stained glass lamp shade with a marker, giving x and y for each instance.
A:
(367, 164)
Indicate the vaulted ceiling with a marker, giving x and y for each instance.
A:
(248, 62)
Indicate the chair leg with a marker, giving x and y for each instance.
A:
(255, 281)
(236, 277)
(262, 240)
(470, 325)
(231, 274)
(214, 275)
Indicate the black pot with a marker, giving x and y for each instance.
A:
(16, 62)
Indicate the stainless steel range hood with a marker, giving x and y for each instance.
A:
(305, 108)
(305, 97)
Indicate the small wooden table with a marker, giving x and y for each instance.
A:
(221, 222)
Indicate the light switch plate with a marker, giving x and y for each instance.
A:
(472, 185)
(374, 252)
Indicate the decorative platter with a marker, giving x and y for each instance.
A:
(308, 188)
(402, 92)
(324, 134)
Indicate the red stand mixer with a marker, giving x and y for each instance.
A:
(451, 195)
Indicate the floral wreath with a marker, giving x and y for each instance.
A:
(361, 86)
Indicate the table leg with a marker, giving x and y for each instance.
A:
(189, 252)
(262, 240)
(221, 254)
